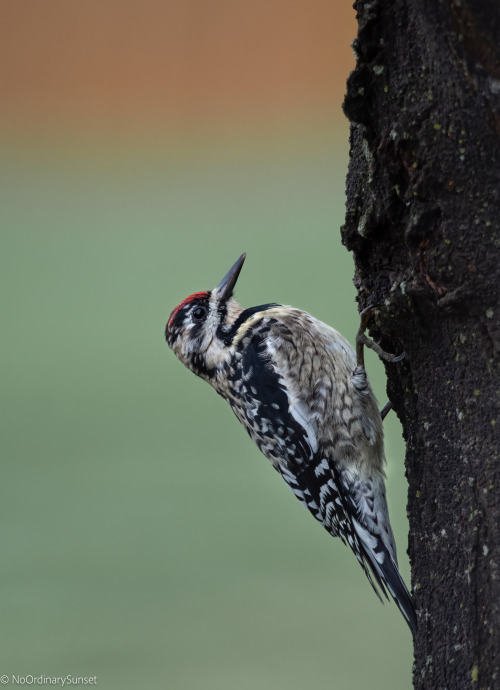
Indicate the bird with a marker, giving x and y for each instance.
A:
(301, 392)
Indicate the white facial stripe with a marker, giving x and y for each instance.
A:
(213, 300)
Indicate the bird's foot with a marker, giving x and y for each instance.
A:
(387, 408)
(363, 340)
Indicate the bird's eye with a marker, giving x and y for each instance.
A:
(199, 313)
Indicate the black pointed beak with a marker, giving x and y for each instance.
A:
(226, 286)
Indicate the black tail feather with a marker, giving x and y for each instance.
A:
(388, 576)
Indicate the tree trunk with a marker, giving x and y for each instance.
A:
(423, 220)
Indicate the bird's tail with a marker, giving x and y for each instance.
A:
(377, 558)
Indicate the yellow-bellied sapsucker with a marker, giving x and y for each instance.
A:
(302, 394)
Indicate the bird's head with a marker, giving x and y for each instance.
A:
(198, 328)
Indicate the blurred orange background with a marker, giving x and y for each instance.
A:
(144, 145)
(122, 64)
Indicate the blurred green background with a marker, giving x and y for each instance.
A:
(144, 539)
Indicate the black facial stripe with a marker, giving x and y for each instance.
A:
(183, 314)
(222, 311)
(199, 366)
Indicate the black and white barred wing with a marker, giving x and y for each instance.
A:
(348, 503)
(280, 422)
(331, 498)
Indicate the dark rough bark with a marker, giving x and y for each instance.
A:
(423, 220)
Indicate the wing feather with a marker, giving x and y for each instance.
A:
(310, 415)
